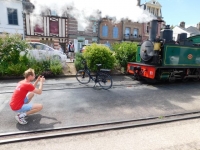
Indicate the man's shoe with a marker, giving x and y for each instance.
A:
(24, 117)
(21, 120)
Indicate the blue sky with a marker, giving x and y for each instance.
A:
(175, 11)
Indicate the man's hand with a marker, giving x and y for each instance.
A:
(37, 80)
(39, 90)
(42, 79)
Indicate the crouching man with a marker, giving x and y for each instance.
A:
(23, 94)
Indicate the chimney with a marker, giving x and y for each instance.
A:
(153, 30)
(182, 24)
(198, 26)
(138, 2)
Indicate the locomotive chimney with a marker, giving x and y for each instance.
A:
(153, 30)
(182, 24)
(138, 2)
(198, 26)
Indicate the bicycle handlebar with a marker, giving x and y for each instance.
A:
(83, 62)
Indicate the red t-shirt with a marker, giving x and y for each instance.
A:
(19, 94)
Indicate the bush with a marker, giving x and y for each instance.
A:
(55, 67)
(99, 54)
(13, 64)
(78, 61)
(48, 67)
(125, 52)
(11, 45)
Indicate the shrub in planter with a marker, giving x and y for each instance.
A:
(56, 67)
(99, 54)
(10, 47)
(78, 61)
(125, 52)
(48, 67)
(16, 69)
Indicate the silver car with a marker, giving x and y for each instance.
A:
(42, 51)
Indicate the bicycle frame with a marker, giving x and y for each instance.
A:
(86, 69)
(100, 76)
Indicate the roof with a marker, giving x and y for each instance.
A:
(193, 30)
(181, 28)
(154, 2)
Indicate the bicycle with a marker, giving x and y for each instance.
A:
(105, 80)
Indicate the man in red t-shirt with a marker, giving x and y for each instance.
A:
(23, 94)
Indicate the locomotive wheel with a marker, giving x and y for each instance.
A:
(196, 79)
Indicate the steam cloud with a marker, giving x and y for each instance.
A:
(82, 10)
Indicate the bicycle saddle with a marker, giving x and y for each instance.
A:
(98, 65)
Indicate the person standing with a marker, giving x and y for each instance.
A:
(70, 48)
(23, 94)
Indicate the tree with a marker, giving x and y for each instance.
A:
(172, 27)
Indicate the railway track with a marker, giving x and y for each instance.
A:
(63, 86)
(10, 88)
(13, 137)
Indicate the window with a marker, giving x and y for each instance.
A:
(39, 46)
(95, 27)
(54, 27)
(153, 11)
(12, 16)
(115, 32)
(86, 42)
(135, 33)
(147, 29)
(127, 31)
(105, 31)
(38, 28)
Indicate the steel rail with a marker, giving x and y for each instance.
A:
(77, 87)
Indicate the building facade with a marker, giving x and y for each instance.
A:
(82, 35)
(109, 31)
(11, 20)
(190, 31)
(47, 29)
(132, 31)
(153, 7)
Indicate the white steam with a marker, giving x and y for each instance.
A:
(83, 9)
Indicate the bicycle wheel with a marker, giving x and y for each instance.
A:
(82, 77)
(105, 80)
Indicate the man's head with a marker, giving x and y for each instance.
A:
(29, 74)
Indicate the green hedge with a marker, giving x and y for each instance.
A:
(78, 61)
(99, 54)
(125, 52)
(13, 64)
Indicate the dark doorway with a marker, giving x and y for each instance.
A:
(63, 45)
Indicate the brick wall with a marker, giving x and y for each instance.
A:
(110, 25)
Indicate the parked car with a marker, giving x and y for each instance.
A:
(42, 51)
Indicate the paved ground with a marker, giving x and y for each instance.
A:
(67, 103)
